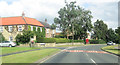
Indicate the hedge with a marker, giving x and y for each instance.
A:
(45, 40)
(97, 42)
(62, 40)
(57, 40)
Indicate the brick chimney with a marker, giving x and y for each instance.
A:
(46, 20)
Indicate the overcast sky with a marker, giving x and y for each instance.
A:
(106, 10)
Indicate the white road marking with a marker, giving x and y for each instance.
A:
(93, 61)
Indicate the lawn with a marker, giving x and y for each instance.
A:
(6, 50)
(112, 49)
(28, 57)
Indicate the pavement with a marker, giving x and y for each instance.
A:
(84, 55)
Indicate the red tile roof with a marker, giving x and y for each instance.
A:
(19, 20)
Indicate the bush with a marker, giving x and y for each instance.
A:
(62, 40)
(45, 40)
(2, 38)
(78, 41)
(53, 40)
(97, 42)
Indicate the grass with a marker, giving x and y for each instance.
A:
(28, 57)
(6, 50)
(112, 49)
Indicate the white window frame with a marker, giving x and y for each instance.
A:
(31, 28)
(36, 28)
(47, 30)
(1, 28)
(41, 29)
(19, 27)
(10, 38)
(10, 28)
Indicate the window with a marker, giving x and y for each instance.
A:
(41, 29)
(36, 28)
(47, 30)
(10, 38)
(31, 28)
(1, 29)
(10, 28)
(19, 27)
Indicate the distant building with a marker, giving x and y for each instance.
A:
(50, 33)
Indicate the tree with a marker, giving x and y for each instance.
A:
(53, 26)
(117, 35)
(111, 36)
(74, 19)
(100, 30)
(25, 37)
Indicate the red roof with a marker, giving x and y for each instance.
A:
(19, 20)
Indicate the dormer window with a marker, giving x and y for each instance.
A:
(1, 28)
(10, 28)
(19, 27)
(31, 28)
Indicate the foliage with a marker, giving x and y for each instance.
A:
(97, 42)
(53, 26)
(2, 38)
(100, 30)
(61, 40)
(74, 19)
(45, 40)
(25, 37)
(111, 36)
(56, 40)
(77, 40)
(117, 40)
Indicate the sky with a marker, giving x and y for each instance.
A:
(106, 10)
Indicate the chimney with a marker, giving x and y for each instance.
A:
(45, 20)
(23, 14)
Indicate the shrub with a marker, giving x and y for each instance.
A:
(45, 40)
(77, 40)
(2, 38)
(62, 40)
(97, 42)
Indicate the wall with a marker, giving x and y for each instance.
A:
(50, 34)
(7, 34)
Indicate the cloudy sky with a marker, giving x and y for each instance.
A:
(106, 10)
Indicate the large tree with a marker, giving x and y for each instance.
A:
(100, 30)
(74, 19)
(111, 35)
(117, 35)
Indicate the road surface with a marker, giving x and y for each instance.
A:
(91, 54)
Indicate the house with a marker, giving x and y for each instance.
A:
(11, 26)
(50, 33)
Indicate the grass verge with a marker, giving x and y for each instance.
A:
(28, 57)
(113, 49)
(6, 50)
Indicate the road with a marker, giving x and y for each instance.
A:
(88, 55)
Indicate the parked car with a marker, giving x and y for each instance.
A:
(7, 44)
(110, 43)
